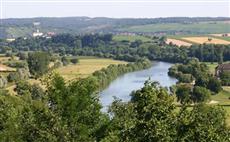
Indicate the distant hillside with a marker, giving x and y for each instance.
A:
(12, 28)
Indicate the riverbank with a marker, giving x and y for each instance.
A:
(106, 75)
(122, 86)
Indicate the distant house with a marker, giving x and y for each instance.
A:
(37, 34)
(222, 68)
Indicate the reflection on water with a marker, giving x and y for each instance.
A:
(124, 85)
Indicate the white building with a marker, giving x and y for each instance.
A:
(37, 33)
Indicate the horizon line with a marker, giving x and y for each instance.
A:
(116, 17)
(115, 1)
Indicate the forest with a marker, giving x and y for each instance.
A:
(102, 45)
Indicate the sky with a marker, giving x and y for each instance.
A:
(114, 8)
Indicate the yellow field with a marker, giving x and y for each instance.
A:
(201, 40)
(85, 67)
(177, 42)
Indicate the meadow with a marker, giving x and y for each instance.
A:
(85, 67)
(192, 28)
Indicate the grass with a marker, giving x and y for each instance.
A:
(227, 109)
(131, 38)
(212, 67)
(85, 67)
(223, 97)
(196, 28)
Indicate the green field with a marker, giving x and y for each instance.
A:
(195, 28)
(130, 38)
(85, 67)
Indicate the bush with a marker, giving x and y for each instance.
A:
(65, 61)
(21, 74)
(201, 94)
(74, 60)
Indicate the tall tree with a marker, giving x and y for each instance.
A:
(38, 63)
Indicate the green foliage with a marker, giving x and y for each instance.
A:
(22, 88)
(38, 63)
(65, 61)
(201, 94)
(183, 93)
(22, 55)
(3, 82)
(225, 78)
(214, 85)
(194, 70)
(151, 115)
(76, 105)
(74, 60)
(20, 74)
(202, 123)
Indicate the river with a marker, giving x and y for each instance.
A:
(125, 84)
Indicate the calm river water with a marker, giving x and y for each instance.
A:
(125, 84)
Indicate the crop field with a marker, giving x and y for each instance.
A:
(177, 42)
(201, 40)
(85, 67)
(130, 38)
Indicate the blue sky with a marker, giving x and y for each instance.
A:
(115, 8)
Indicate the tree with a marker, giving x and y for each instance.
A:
(20, 74)
(22, 88)
(65, 61)
(38, 63)
(144, 118)
(22, 56)
(183, 93)
(74, 60)
(200, 94)
(202, 123)
(36, 91)
(202, 81)
(214, 85)
(76, 105)
(148, 116)
(225, 78)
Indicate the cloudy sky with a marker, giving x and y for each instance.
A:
(114, 8)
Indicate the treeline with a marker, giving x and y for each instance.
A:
(71, 112)
(106, 75)
(102, 45)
